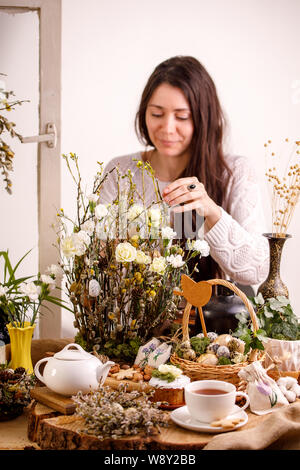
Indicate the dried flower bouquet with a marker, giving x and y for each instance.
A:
(285, 186)
(121, 264)
(115, 414)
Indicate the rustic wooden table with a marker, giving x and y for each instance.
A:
(41, 427)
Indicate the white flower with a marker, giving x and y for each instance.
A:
(94, 288)
(48, 280)
(89, 227)
(202, 247)
(31, 290)
(72, 246)
(101, 211)
(175, 261)
(93, 198)
(135, 211)
(165, 369)
(55, 270)
(125, 252)
(142, 258)
(168, 232)
(68, 247)
(3, 290)
(154, 215)
(84, 237)
(158, 265)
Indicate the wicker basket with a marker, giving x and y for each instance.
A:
(227, 373)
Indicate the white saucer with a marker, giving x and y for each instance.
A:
(182, 417)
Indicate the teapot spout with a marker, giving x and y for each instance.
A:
(102, 371)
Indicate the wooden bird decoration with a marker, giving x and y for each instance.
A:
(197, 294)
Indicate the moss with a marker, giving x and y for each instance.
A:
(199, 345)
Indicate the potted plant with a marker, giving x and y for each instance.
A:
(121, 264)
(279, 332)
(20, 302)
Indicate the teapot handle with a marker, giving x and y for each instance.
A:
(36, 369)
(73, 345)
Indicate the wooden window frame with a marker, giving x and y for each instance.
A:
(49, 159)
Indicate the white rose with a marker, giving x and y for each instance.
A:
(175, 261)
(168, 232)
(158, 265)
(101, 211)
(84, 237)
(135, 211)
(165, 369)
(125, 252)
(202, 246)
(31, 290)
(154, 215)
(142, 258)
(88, 227)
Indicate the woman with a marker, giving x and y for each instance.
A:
(180, 118)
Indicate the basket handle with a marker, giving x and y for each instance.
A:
(213, 282)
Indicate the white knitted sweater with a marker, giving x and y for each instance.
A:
(236, 241)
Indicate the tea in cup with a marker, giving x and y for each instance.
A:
(211, 400)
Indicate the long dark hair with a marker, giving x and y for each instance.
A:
(207, 160)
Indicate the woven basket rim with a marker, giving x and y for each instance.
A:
(220, 367)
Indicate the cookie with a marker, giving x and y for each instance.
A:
(226, 423)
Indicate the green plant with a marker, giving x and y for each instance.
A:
(121, 262)
(7, 104)
(276, 320)
(21, 298)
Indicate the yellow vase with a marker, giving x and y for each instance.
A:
(20, 343)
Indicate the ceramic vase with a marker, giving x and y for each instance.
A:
(20, 343)
(273, 285)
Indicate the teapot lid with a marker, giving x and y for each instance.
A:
(75, 354)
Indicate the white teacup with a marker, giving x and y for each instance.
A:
(211, 400)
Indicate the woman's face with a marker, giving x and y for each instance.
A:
(169, 121)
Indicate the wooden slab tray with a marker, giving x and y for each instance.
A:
(63, 433)
(66, 405)
(53, 400)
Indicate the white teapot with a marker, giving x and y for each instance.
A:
(71, 370)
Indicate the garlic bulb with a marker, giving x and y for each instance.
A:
(189, 354)
(289, 387)
(236, 345)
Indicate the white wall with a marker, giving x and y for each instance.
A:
(250, 47)
(19, 39)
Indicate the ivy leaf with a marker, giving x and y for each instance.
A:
(242, 317)
(268, 313)
(257, 344)
(284, 301)
(260, 334)
(259, 300)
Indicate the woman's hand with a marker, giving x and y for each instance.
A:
(181, 198)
